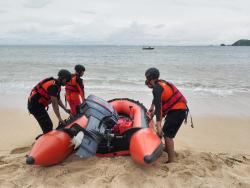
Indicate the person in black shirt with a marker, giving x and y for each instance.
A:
(79, 71)
(168, 102)
(44, 93)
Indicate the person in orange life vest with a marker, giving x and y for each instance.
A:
(44, 93)
(75, 89)
(167, 102)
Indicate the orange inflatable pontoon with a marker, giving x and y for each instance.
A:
(117, 127)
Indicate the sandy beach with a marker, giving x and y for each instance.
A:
(216, 153)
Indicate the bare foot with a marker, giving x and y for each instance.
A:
(167, 162)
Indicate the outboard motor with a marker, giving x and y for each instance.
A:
(101, 116)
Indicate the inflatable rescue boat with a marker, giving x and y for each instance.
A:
(116, 127)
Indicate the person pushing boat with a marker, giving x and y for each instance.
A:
(167, 102)
(43, 94)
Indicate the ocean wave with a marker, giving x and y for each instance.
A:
(214, 91)
(112, 85)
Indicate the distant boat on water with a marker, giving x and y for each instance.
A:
(148, 48)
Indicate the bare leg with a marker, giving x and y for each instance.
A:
(169, 144)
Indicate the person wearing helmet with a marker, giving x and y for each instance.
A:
(43, 94)
(167, 102)
(75, 89)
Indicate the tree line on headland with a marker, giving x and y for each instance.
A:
(242, 42)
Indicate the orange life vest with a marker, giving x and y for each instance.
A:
(171, 97)
(73, 86)
(42, 89)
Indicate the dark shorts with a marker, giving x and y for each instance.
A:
(41, 114)
(173, 122)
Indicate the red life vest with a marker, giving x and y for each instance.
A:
(42, 89)
(73, 87)
(171, 97)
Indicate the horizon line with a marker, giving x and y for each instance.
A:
(135, 45)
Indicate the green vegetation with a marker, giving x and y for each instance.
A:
(242, 42)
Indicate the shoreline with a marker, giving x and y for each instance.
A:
(199, 105)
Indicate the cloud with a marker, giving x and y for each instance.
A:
(3, 11)
(55, 32)
(160, 26)
(180, 33)
(99, 32)
(36, 3)
(167, 22)
(133, 34)
(88, 12)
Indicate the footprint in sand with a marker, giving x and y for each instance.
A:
(2, 160)
(20, 150)
(9, 168)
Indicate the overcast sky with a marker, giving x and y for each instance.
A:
(124, 22)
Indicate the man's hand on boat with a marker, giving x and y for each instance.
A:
(62, 122)
(150, 113)
(68, 111)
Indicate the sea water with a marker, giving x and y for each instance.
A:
(217, 74)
